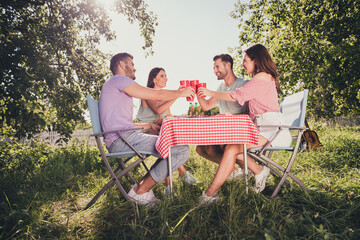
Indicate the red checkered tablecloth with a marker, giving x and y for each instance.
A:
(214, 130)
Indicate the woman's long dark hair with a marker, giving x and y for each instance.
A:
(153, 73)
(263, 62)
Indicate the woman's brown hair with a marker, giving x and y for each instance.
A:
(153, 73)
(263, 62)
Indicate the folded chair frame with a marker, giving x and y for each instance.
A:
(264, 154)
(122, 158)
(124, 170)
(293, 109)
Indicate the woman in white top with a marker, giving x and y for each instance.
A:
(154, 111)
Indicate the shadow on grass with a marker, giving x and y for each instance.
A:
(295, 214)
(44, 190)
(37, 182)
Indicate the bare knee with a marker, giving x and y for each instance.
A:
(234, 148)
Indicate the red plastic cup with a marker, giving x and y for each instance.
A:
(194, 82)
(193, 85)
(200, 85)
(186, 83)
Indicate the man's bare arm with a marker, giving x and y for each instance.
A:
(138, 91)
(207, 104)
(202, 92)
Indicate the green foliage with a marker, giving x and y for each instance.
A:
(136, 10)
(44, 190)
(315, 45)
(33, 177)
(50, 61)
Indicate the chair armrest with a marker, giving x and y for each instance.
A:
(284, 126)
(118, 131)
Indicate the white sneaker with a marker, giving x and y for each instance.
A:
(208, 200)
(260, 179)
(189, 179)
(238, 174)
(147, 199)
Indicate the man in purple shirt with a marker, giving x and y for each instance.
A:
(116, 112)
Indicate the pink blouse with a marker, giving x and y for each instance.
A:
(261, 95)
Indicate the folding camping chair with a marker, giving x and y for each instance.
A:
(121, 157)
(293, 108)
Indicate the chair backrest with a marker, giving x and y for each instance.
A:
(93, 106)
(293, 108)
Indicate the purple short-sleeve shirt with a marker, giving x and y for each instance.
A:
(115, 107)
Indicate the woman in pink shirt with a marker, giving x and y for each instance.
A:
(260, 93)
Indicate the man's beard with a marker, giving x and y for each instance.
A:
(130, 73)
(221, 77)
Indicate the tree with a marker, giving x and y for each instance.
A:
(315, 45)
(136, 10)
(50, 61)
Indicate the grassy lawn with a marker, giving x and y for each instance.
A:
(44, 190)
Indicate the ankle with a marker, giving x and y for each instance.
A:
(139, 190)
(257, 171)
(209, 194)
(211, 191)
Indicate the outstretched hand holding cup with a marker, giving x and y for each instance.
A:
(204, 92)
(183, 84)
(187, 92)
(199, 85)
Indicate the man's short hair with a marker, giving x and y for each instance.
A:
(117, 58)
(225, 58)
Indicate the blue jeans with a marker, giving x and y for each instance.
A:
(145, 142)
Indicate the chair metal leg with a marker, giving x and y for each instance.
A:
(285, 171)
(107, 186)
(146, 168)
(277, 189)
(281, 168)
(101, 192)
(115, 177)
(288, 168)
(274, 171)
(122, 190)
(143, 163)
(122, 166)
(116, 180)
(170, 173)
(246, 169)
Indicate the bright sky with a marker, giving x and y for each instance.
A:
(190, 33)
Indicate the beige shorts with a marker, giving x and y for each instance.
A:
(273, 118)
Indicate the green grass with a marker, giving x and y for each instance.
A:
(44, 190)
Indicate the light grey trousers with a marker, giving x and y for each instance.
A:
(145, 142)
